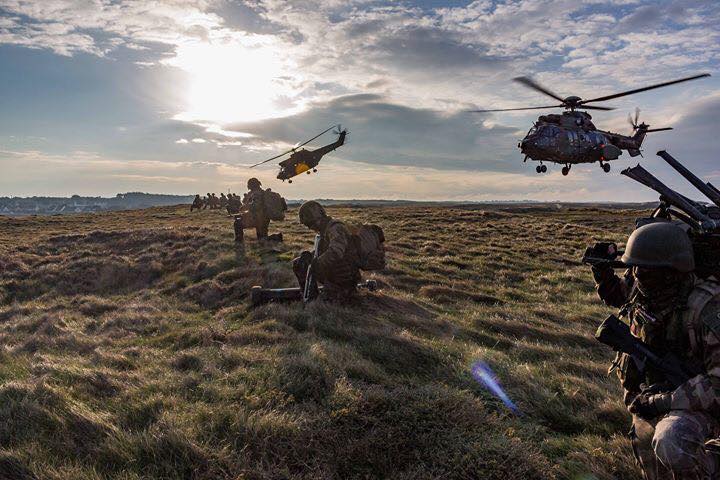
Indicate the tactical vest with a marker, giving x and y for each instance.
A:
(681, 334)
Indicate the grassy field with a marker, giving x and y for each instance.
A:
(129, 351)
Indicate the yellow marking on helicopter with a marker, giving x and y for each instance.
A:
(300, 168)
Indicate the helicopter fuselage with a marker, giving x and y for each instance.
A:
(571, 138)
(305, 161)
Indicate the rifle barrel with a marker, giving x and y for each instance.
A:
(639, 174)
(705, 188)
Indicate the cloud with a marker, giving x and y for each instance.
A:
(389, 134)
(182, 141)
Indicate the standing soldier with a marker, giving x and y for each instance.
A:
(223, 200)
(672, 311)
(336, 264)
(234, 204)
(253, 212)
(197, 203)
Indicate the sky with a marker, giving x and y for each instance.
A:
(99, 97)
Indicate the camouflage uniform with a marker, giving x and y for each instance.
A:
(685, 320)
(254, 202)
(336, 267)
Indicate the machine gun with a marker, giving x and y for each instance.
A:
(310, 291)
(703, 220)
(616, 334)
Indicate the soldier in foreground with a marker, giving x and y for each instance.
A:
(335, 264)
(673, 312)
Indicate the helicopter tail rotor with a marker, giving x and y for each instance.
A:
(338, 130)
(643, 126)
(634, 122)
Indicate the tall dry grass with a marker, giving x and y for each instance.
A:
(129, 351)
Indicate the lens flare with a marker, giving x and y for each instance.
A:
(484, 375)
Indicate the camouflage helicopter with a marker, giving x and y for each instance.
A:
(305, 160)
(570, 138)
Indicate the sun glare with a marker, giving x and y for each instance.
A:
(235, 82)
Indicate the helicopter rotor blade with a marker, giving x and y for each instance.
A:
(530, 83)
(511, 109)
(637, 115)
(316, 136)
(273, 158)
(595, 107)
(643, 89)
(658, 129)
(630, 121)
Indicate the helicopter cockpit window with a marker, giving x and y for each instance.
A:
(533, 130)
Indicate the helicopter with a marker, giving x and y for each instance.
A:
(306, 160)
(570, 138)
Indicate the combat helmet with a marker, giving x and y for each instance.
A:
(660, 244)
(310, 212)
(253, 183)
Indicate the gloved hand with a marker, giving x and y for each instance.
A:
(602, 272)
(648, 405)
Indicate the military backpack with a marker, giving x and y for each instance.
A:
(369, 240)
(275, 205)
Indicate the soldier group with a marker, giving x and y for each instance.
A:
(210, 201)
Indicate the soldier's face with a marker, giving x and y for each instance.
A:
(652, 281)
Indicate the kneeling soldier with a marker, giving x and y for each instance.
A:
(673, 312)
(336, 264)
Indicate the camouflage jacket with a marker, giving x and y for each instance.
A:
(337, 247)
(254, 201)
(690, 329)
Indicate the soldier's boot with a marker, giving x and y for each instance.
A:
(238, 227)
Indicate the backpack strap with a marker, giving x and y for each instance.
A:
(702, 293)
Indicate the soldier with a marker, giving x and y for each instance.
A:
(336, 266)
(672, 311)
(223, 200)
(207, 201)
(252, 213)
(197, 203)
(234, 204)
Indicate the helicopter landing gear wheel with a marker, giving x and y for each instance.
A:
(308, 172)
(289, 181)
(538, 169)
(566, 170)
(544, 168)
(606, 167)
(315, 170)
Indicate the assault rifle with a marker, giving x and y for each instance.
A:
(616, 334)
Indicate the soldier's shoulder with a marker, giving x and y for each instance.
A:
(706, 297)
(338, 226)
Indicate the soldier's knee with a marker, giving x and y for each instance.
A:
(676, 443)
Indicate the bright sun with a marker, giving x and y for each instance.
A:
(235, 82)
